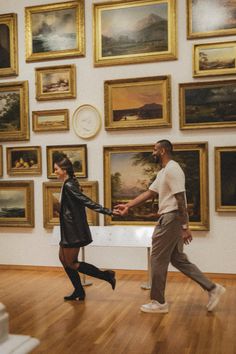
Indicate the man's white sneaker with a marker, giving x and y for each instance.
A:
(155, 307)
(214, 296)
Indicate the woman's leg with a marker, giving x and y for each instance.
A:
(67, 256)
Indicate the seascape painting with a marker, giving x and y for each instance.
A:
(56, 82)
(10, 111)
(12, 203)
(135, 30)
(53, 30)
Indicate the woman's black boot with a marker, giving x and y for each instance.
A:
(90, 269)
(79, 293)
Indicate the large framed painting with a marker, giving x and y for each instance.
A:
(51, 204)
(55, 82)
(54, 31)
(1, 161)
(76, 153)
(23, 161)
(214, 59)
(134, 31)
(207, 104)
(137, 103)
(8, 45)
(210, 18)
(129, 170)
(17, 203)
(50, 120)
(14, 111)
(225, 178)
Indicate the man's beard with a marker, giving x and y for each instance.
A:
(157, 159)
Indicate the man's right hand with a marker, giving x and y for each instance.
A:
(121, 209)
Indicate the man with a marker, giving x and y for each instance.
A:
(171, 232)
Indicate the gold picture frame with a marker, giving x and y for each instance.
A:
(55, 82)
(207, 18)
(211, 59)
(23, 161)
(51, 205)
(207, 104)
(137, 103)
(17, 203)
(50, 120)
(8, 45)
(14, 111)
(225, 177)
(55, 31)
(76, 153)
(130, 169)
(152, 22)
(1, 161)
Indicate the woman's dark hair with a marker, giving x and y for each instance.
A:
(63, 161)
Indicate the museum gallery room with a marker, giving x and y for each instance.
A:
(117, 176)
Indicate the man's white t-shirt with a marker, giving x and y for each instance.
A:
(169, 181)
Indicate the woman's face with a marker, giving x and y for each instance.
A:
(60, 173)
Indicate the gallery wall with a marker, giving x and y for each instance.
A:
(213, 249)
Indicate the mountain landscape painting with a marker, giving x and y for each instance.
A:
(135, 30)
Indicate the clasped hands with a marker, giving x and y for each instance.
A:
(120, 209)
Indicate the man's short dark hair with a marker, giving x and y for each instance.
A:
(166, 144)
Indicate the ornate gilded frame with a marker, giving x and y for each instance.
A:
(50, 120)
(153, 95)
(1, 161)
(55, 82)
(225, 177)
(138, 168)
(18, 198)
(74, 42)
(51, 205)
(23, 161)
(15, 111)
(10, 23)
(128, 47)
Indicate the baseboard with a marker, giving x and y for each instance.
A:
(171, 274)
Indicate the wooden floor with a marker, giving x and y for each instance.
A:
(111, 322)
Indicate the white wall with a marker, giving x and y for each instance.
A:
(213, 250)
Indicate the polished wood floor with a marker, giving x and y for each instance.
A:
(111, 322)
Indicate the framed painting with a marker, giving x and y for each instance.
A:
(8, 45)
(23, 161)
(17, 203)
(137, 103)
(50, 120)
(130, 170)
(208, 18)
(207, 104)
(14, 107)
(214, 59)
(51, 204)
(55, 82)
(76, 153)
(225, 178)
(1, 162)
(54, 31)
(146, 33)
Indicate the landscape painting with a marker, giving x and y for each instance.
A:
(17, 203)
(208, 18)
(129, 171)
(137, 103)
(8, 45)
(146, 32)
(50, 120)
(76, 153)
(208, 104)
(24, 160)
(55, 83)
(225, 172)
(51, 202)
(14, 118)
(54, 31)
(214, 59)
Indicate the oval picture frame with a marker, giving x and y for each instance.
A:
(86, 121)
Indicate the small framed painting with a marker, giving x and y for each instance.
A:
(50, 120)
(23, 161)
(8, 45)
(76, 153)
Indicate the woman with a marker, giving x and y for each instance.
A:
(75, 232)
